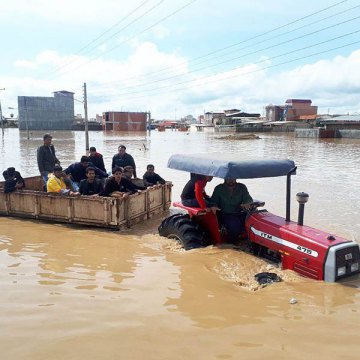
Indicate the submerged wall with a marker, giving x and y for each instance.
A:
(351, 134)
(315, 133)
(323, 133)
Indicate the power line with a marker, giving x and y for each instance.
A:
(249, 72)
(132, 22)
(246, 54)
(282, 34)
(113, 26)
(139, 33)
(257, 36)
(123, 28)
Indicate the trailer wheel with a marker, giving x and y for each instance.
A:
(182, 229)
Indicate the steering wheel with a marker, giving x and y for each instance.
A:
(254, 205)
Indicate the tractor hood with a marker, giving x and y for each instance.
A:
(231, 167)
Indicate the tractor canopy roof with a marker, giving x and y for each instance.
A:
(231, 167)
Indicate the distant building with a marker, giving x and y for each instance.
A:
(213, 118)
(234, 117)
(231, 111)
(275, 112)
(342, 122)
(125, 121)
(189, 119)
(293, 110)
(46, 113)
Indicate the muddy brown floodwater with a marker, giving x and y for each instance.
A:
(70, 292)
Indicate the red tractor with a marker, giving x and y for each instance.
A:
(310, 252)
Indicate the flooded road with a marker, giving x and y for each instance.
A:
(72, 292)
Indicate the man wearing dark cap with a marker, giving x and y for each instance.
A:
(13, 180)
(46, 157)
(77, 171)
(122, 159)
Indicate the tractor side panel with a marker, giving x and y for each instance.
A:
(298, 252)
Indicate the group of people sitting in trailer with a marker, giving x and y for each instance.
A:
(87, 177)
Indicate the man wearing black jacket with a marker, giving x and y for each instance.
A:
(90, 186)
(117, 185)
(13, 180)
(97, 159)
(77, 171)
(122, 159)
(151, 178)
(46, 157)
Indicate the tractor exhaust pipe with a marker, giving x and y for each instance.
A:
(302, 199)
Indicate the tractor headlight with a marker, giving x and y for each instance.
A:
(354, 267)
(341, 271)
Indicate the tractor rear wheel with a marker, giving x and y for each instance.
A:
(182, 229)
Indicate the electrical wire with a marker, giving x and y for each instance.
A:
(123, 28)
(112, 27)
(246, 73)
(137, 34)
(254, 37)
(244, 55)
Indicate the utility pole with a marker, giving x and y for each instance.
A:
(148, 115)
(86, 120)
(27, 120)
(1, 117)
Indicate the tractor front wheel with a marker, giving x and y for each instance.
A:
(182, 229)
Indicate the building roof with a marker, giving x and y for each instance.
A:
(253, 121)
(63, 92)
(279, 123)
(341, 119)
(290, 101)
(275, 106)
(243, 114)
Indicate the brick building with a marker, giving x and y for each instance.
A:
(125, 121)
(294, 109)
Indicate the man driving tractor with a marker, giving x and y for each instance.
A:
(232, 198)
(228, 201)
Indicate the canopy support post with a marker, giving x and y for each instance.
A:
(288, 193)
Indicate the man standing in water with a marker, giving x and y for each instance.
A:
(46, 157)
(122, 159)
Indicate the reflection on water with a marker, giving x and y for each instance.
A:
(79, 293)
